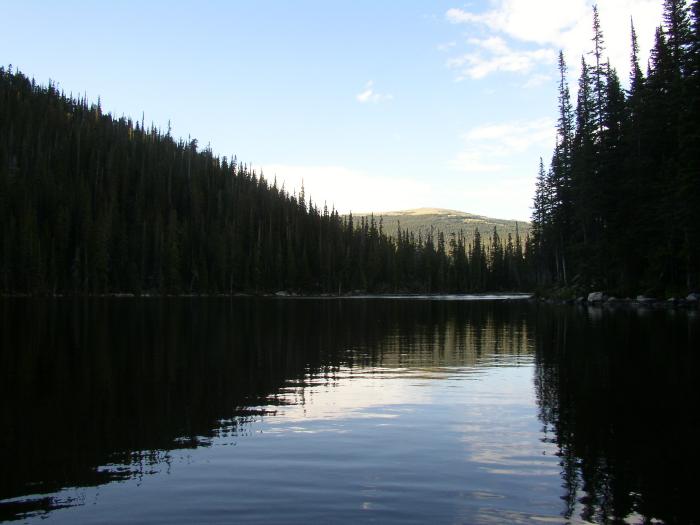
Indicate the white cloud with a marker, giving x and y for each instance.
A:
(537, 80)
(491, 148)
(458, 16)
(494, 44)
(351, 190)
(554, 25)
(539, 21)
(515, 136)
(446, 46)
(497, 158)
(500, 197)
(497, 57)
(369, 95)
(476, 161)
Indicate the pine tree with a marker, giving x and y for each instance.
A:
(599, 72)
(688, 189)
(634, 178)
(584, 172)
(561, 169)
(541, 219)
(677, 24)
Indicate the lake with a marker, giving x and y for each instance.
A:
(292, 410)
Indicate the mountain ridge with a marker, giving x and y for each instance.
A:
(449, 222)
(433, 211)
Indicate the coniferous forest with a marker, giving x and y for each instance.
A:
(94, 204)
(177, 322)
(619, 206)
(90, 203)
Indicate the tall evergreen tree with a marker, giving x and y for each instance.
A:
(598, 72)
(688, 187)
(634, 169)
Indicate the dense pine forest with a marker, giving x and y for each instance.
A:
(619, 206)
(94, 204)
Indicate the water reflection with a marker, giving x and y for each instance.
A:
(618, 395)
(93, 383)
(354, 405)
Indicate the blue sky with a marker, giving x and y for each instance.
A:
(377, 105)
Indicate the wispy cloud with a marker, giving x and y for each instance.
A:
(370, 95)
(492, 148)
(492, 54)
(459, 16)
(446, 46)
(499, 197)
(474, 160)
(492, 156)
(347, 188)
(539, 21)
(537, 80)
(550, 25)
(514, 136)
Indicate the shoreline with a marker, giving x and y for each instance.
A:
(594, 299)
(358, 294)
(601, 300)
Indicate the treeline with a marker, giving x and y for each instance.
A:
(90, 203)
(619, 207)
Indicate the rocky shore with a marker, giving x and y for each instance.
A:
(599, 298)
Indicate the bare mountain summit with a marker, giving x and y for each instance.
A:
(421, 220)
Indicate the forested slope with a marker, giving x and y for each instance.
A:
(94, 204)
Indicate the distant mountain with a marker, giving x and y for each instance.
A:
(449, 222)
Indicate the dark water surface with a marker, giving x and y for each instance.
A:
(365, 410)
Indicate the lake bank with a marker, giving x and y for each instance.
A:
(294, 295)
(601, 299)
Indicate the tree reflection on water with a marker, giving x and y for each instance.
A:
(618, 393)
(100, 390)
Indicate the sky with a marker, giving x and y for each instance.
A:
(376, 105)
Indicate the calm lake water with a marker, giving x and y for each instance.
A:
(265, 410)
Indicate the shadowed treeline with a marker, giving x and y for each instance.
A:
(92, 204)
(618, 207)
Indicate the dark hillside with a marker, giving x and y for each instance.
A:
(93, 204)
